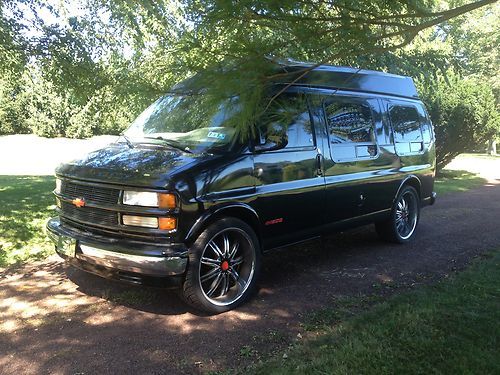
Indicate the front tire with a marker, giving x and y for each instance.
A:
(224, 264)
(405, 214)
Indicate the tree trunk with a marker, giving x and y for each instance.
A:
(492, 147)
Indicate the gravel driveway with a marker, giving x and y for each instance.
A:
(55, 319)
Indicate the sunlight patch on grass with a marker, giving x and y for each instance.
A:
(26, 204)
(451, 181)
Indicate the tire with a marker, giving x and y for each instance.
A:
(223, 267)
(405, 214)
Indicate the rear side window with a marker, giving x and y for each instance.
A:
(411, 129)
(349, 122)
(406, 124)
(350, 128)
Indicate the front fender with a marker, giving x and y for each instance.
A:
(236, 209)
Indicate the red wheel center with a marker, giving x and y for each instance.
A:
(224, 265)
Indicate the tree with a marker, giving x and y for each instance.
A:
(233, 45)
(464, 113)
(108, 63)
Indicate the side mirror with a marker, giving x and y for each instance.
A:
(276, 139)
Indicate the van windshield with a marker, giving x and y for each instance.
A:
(187, 122)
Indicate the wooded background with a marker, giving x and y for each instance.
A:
(81, 68)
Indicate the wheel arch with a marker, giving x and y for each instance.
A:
(237, 210)
(410, 180)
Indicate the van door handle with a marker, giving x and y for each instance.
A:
(319, 165)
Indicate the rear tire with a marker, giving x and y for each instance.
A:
(224, 264)
(405, 214)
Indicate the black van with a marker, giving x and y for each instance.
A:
(181, 200)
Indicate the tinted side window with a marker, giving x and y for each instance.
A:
(350, 129)
(288, 118)
(349, 122)
(406, 124)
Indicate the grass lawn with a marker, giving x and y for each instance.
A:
(26, 204)
(452, 327)
(451, 181)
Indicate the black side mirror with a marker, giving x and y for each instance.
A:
(276, 139)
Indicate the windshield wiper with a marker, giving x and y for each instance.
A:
(127, 140)
(172, 143)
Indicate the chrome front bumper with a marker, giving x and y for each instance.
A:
(157, 260)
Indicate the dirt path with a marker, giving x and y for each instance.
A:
(54, 319)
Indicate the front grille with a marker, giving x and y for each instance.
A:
(90, 215)
(90, 193)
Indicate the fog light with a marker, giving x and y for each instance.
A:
(140, 221)
(167, 223)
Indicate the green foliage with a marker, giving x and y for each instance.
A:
(464, 114)
(93, 73)
(14, 111)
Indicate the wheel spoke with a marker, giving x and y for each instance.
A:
(400, 224)
(237, 261)
(225, 284)
(215, 248)
(210, 262)
(407, 227)
(233, 252)
(226, 245)
(237, 279)
(210, 274)
(404, 204)
(215, 285)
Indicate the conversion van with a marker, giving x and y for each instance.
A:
(183, 201)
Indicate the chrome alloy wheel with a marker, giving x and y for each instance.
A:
(227, 266)
(406, 215)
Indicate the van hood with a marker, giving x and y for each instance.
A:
(145, 165)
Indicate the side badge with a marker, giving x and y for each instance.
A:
(274, 221)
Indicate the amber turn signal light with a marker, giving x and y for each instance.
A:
(167, 223)
(166, 200)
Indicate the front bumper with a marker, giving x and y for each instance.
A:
(118, 258)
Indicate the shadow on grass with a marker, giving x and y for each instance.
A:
(26, 204)
(451, 181)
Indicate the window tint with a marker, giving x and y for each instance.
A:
(349, 122)
(288, 117)
(350, 129)
(406, 124)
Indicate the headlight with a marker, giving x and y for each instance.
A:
(58, 186)
(148, 199)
